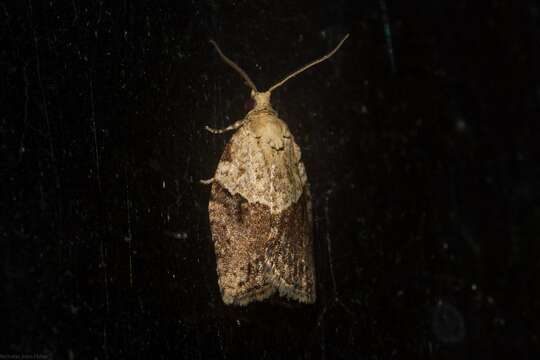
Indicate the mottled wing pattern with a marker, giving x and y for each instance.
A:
(239, 232)
(258, 252)
(289, 251)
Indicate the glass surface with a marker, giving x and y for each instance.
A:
(420, 141)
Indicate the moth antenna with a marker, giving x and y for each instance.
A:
(235, 67)
(307, 66)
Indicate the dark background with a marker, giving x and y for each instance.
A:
(419, 138)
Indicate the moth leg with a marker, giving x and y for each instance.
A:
(234, 126)
(207, 182)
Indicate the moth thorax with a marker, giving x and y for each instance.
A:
(262, 100)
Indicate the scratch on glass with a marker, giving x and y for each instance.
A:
(103, 264)
(129, 237)
(94, 130)
(43, 97)
(335, 300)
(22, 149)
(387, 33)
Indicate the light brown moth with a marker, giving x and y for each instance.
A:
(260, 205)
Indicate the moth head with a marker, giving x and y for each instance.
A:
(262, 99)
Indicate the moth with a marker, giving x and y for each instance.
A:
(260, 205)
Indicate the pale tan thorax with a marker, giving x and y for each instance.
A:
(264, 164)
